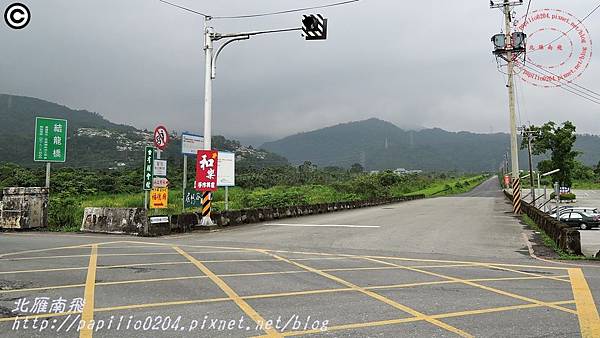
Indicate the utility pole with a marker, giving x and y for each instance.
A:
(509, 46)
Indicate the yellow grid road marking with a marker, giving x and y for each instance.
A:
(378, 297)
(88, 307)
(463, 281)
(589, 322)
(414, 319)
(242, 304)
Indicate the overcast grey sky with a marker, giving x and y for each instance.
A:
(417, 63)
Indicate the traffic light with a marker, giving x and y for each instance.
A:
(314, 27)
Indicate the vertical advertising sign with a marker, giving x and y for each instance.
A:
(50, 140)
(148, 168)
(206, 170)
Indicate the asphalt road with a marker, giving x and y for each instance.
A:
(443, 267)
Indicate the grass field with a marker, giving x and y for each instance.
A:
(66, 212)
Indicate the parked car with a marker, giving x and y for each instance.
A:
(582, 220)
(563, 209)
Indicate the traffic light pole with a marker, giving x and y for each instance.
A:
(210, 74)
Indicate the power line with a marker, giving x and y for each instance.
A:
(259, 14)
(185, 8)
(566, 87)
(593, 94)
(286, 11)
(576, 26)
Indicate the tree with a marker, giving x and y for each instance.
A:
(356, 168)
(559, 141)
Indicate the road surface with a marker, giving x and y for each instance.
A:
(443, 267)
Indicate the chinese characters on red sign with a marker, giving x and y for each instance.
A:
(206, 170)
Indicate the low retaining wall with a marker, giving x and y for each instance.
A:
(24, 208)
(134, 221)
(248, 216)
(567, 238)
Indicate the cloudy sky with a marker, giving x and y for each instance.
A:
(413, 63)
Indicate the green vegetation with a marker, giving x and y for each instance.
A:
(452, 186)
(74, 189)
(564, 197)
(560, 142)
(548, 242)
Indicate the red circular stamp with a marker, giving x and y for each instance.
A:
(559, 48)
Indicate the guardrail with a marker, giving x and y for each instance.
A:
(566, 238)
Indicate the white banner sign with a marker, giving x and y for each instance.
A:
(160, 182)
(160, 168)
(190, 144)
(226, 172)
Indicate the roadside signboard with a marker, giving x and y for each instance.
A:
(190, 144)
(192, 199)
(226, 175)
(506, 181)
(160, 182)
(206, 170)
(161, 137)
(50, 140)
(159, 198)
(148, 168)
(160, 168)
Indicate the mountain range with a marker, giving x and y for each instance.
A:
(96, 142)
(93, 141)
(377, 145)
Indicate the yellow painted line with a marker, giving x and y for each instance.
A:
(379, 297)
(487, 288)
(413, 319)
(57, 248)
(414, 259)
(41, 257)
(174, 303)
(41, 270)
(491, 266)
(589, 322)
(242, 304)
(44, 288)
(99, 267)
(42, 315)
(90, 282)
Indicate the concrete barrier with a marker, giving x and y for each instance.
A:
(132, 221)
(24, 208)
(566, 238)
(135, 221)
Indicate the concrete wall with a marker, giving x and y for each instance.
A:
(24, 208)
(132, 221)
(567, 238)
(248, 216)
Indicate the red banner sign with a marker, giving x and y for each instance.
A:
(507, 181)
(206, 170)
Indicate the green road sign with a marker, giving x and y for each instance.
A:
(192, 199)
(50, 140)
(148, 168)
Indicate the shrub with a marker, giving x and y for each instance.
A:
(564, 197)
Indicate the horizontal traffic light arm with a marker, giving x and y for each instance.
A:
(219, 36)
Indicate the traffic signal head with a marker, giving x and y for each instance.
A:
(314, 27)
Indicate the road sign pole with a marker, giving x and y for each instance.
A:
(185, 173)
(47, 174)
(208, 54)
(226, 198)
(146, 200)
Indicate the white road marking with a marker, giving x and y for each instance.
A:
(326, 225)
